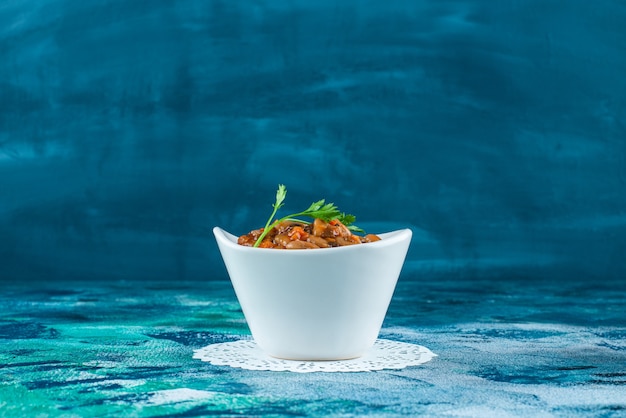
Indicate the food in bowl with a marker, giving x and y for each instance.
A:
(330, 228)
(334, 307)
(300, 235)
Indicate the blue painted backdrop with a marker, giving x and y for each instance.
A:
(496, 130)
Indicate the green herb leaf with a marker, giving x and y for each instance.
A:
(348, 221)
(320, 209)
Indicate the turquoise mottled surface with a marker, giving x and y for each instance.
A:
(518, 347)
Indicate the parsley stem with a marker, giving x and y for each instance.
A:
(281, 193)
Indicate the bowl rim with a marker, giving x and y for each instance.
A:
(387, 239)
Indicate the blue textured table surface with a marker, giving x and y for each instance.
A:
(514, 347)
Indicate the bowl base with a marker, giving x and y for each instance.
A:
(313, 358)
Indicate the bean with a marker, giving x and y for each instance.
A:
(319, 226)
(298, 245)
(371, 238)
(282, 239)
(341, 241)
(319, 241)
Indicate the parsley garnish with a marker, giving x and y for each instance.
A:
(320, 210)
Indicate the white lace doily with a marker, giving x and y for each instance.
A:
(245, 354)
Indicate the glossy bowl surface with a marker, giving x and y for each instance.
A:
(322, 304)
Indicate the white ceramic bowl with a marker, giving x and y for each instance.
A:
(322, 304)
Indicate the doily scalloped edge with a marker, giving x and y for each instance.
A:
(245, 354)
